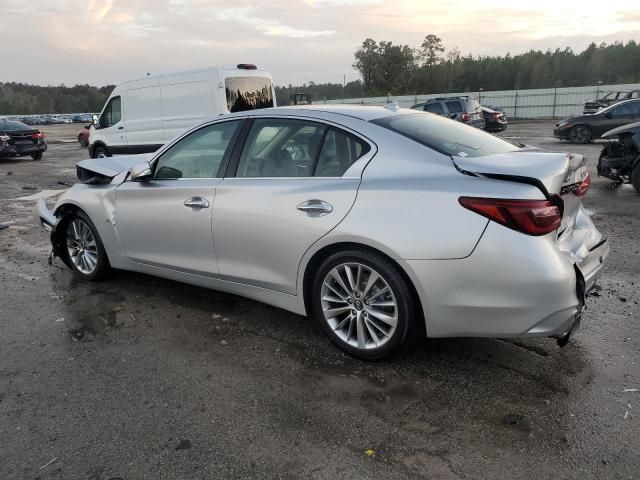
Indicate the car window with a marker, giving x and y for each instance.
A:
(420, 106)
(635, 94)
(248, 93)
(445, 136)
(199, 154)
(112, 113)
(623, 110)
(339, 151)
(435, 108)
(280, 148)
(454, 106)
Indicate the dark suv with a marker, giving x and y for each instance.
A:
(594, 106)
(463, 109)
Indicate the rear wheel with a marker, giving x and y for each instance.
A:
(37, 156)
(635, 178)
(580, 134)
(84, 247)
(363, 303)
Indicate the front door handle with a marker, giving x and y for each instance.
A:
(315, 208)
(196, 202)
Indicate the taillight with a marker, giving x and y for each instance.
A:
(582, 187)
(466, 117)
(37, 135)
(533, 217)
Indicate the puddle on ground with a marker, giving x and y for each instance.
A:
(92, 325)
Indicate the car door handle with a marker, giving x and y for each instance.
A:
(315, 208)
(196, 202)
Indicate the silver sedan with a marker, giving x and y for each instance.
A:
(379, 222)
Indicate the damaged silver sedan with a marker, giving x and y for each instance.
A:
(379, 222)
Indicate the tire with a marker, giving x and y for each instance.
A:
(635, 177)
(580, 134)
(365, 335)
(84, 247)
(37, 156)
(82, 141)
(101, 152)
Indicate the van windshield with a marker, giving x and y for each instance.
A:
(248, 93)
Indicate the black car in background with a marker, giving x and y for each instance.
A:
(585, 128)
(495, 120)
(20, 140)
(594, 106)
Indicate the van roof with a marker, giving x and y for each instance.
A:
(195, 70)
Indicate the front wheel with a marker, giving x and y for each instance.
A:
(363, 303)
(37, 156)
(101, 152)
(580, 134)
(84, 247)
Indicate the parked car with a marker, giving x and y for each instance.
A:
(464, 109)
(620, 157)
(373, 220)
(594, 106)
(19, 140)
(141, 115)
(495, 120)
(585, 128)
(83, 136)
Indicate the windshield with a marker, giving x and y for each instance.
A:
(446, 136)
(9, 126)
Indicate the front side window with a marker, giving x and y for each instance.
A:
(624, 110)
(198, 155)
(435, 108)
(248, 93)
(442, 135)
(112, 113)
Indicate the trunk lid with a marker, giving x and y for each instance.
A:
(555, 174)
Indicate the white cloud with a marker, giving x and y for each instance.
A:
(268, 27)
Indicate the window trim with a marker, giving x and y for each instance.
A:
(108, 105)
(234, 161)
(225, 159)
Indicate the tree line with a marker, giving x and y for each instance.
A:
(394, 69)
(398, 69)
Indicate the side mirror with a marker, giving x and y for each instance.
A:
(141, 172)
(95, 120)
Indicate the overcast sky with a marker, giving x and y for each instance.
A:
(107, 41)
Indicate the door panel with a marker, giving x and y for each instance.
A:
(155, 226)
(259, 233)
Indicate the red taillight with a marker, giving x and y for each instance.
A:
(533, 217)
(466, 117)
(37, 135)
(582, 187)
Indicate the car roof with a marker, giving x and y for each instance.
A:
(361, 112)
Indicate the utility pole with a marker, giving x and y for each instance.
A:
(344, 85)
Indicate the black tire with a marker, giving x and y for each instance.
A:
(100, 152)
(405, 310)
(580, 134)
(82, 141)
(37, 156)
(635, 177)
(102, 266)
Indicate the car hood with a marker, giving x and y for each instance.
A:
(109, 167)
(632, 128)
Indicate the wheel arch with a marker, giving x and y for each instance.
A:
(96, 144)
(57, 233)
(319, 255)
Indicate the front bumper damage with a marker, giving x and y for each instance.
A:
(50, 223)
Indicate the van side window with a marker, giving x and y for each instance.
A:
(199, 154)
(112, 113)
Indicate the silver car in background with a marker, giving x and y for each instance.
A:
(379, 222)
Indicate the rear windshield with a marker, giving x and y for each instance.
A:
(446, 136)
(248, 93)
(9, 126)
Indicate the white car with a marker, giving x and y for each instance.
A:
(142, 115)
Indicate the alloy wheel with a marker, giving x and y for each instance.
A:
(359, 305)
(82, 246)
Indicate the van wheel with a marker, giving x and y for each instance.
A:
(101, 152)
(635, 178)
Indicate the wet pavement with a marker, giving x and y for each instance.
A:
(142, 378)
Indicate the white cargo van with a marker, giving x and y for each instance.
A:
(141, 115)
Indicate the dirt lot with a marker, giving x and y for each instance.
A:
(143, 378)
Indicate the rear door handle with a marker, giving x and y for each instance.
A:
(196, 202)
(315, 208)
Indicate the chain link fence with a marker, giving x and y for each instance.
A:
(538, 103)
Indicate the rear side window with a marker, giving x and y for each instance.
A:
(248, 93)
(446, 136)
(339, 151)
(435, 108)
(454, 107)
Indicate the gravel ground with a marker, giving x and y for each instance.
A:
(143, 378)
